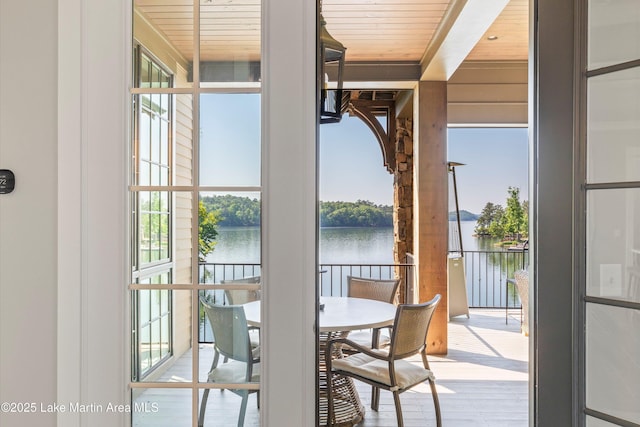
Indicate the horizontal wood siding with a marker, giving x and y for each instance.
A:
(183, 159)
(488, 93)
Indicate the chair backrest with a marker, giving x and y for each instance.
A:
(242, 296)
(410, 328)
(377, 289)
(230, 331)
(522, 286)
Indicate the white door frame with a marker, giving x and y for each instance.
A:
(94, 46)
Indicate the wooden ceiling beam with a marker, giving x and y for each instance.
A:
(464, 23)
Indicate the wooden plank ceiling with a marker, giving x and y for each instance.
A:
(372, 30)
(512, 32)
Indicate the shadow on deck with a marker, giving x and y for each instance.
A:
(482, 381)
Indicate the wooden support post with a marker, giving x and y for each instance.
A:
(431, 207)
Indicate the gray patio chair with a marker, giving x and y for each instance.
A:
(242, 296)
(388, 370)
(231, 335)
(384, 290)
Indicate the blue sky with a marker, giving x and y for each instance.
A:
(495, 159)
(351, 164)
(230, 139)
(350, 159)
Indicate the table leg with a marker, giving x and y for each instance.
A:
(348, 408)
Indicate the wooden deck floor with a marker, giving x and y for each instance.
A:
(482, 381)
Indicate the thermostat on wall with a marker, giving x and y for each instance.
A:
(7, 181)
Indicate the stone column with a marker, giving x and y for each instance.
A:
(403, 197)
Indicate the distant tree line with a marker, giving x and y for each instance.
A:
(464, 216)
(510, 223)
(233, 211)
(355, 214)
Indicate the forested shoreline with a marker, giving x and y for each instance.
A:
(510, 223)
(237, 211)
(355, 214)
(234, 211)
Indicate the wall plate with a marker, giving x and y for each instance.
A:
(7, 181)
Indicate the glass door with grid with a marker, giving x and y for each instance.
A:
(195, 174)
(611, 137)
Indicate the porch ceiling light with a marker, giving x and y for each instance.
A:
(332, 54)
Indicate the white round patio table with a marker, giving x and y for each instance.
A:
(339, 316)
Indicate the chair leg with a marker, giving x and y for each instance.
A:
(203, 407)
(243, 408)
(436, 402)
(396, 400)
(375, 398)
(375, 391)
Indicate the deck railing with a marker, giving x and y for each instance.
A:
(487, 273)
(333, 277)
(217, 272)
(486, 278)
(333, 280)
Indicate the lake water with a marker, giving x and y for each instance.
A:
(486, 274)
(337, 245)
(485, 283)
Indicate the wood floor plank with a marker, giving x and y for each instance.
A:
(482, 381)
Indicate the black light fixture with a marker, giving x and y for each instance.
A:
(332, 54)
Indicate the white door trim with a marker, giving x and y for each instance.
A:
(94, 51)
(289, 211)
(93, 46)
